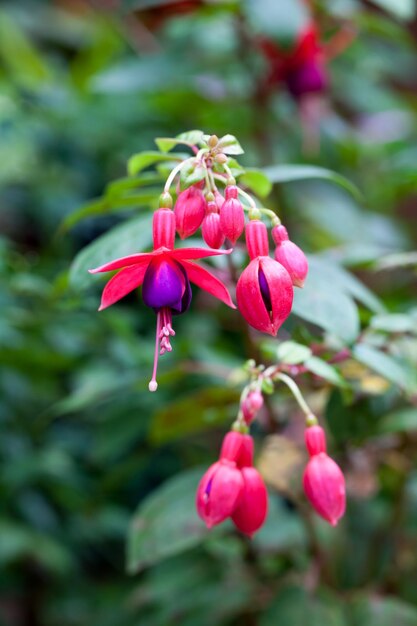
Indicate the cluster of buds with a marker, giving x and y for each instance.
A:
(233, 488)
(323, 481)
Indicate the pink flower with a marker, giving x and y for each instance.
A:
(324, 486)
(290, 256)
(264, 290)
(166, 274)
(211, 229)
(315, 439)
(189, 211)
(251, 510)
(218, 492)
(232, 217)
(251, 405)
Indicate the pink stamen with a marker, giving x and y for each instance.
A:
(162, 343)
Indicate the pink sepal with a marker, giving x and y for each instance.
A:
(252, 509)
(324, 486)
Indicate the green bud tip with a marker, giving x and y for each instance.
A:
(165, 200)
(311, 420)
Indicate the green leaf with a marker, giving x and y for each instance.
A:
(257, 181)
(165, 523)
(132, 236)
(394, 323)
(385, 611)
(402, 9)
(385, 365)
(213, 405)
(324, 370)
(230, 145)
(403, 420)
(139, 161)
(293, 173)
(326, 305)
(191, 174)
(292, 353)
(190, 138)
(401, 259)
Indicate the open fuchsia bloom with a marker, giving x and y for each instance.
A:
(189, 211)
(232, 217)
(165, 274)
(323, 480)
(264, 291)
(290, 256)
(233, 488)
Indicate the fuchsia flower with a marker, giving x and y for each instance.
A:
(189, 211)
(251, 405)
(166, 274)
(264, 290)
(290, 256)
(233, 488)
(232, 216)
(323, 480)
(211, 228)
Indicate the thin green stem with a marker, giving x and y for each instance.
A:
(295, 390)
(174, 172)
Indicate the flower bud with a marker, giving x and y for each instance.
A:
(252, 508)
(163, 229)
(189, 211)
(256, 239)
(245, 458)
(231, 446)
(290, 256)
(264, 294)
(219, 492)
(232, 217)
(324, 486)
(315, 439)
(211, 230)
(219, 200)
(251, 405)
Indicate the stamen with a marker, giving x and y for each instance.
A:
(164, 331)
(153, 385)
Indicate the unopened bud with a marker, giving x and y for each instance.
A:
(213, 141)
(220, 158)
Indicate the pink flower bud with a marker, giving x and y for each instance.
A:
(324, 486)
(232, 217)
(231, 446)
(245, 458)
(256, 239)
(219, 199)
(290, 256)
(189, 211)
(211, 229)
(315, 439)
(251, 405)
(163, 229)
(252, 508)
(219, 492)
(264, 294)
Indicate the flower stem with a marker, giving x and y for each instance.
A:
(175, 171)
(295, 390)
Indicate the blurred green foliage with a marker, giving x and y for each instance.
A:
(83, 87)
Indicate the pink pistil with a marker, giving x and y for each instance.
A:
(164, 331)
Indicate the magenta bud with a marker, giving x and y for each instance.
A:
(264, 294)
(219, 492)
(163, 229)
(212, 232)
(315, 439)
(251, 405)
(290, 256)
(252, 508)
(245, 458)
(218, 198)
(231, 446)
(324, 486)
(189, 210)
(256, 239)
(232, 217)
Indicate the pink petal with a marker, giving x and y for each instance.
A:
(250, 301)
(252, 509)
(205, 280)
(134, 259)
(196, 253)
(121, 284)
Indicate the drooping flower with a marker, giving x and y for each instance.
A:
(189, 211)
(211, 228)
(251, 405)
(218, 492)
(323, 480)
(165, 274)
(252, 508)
(232, 217)
(264, 290)
(290, 256)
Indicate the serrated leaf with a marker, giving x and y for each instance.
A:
(257, 181)
(132, 236)
(324, 370)
(165, 523)
(230, 145)
(140, 161)
(292, 353)
(293, 173)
